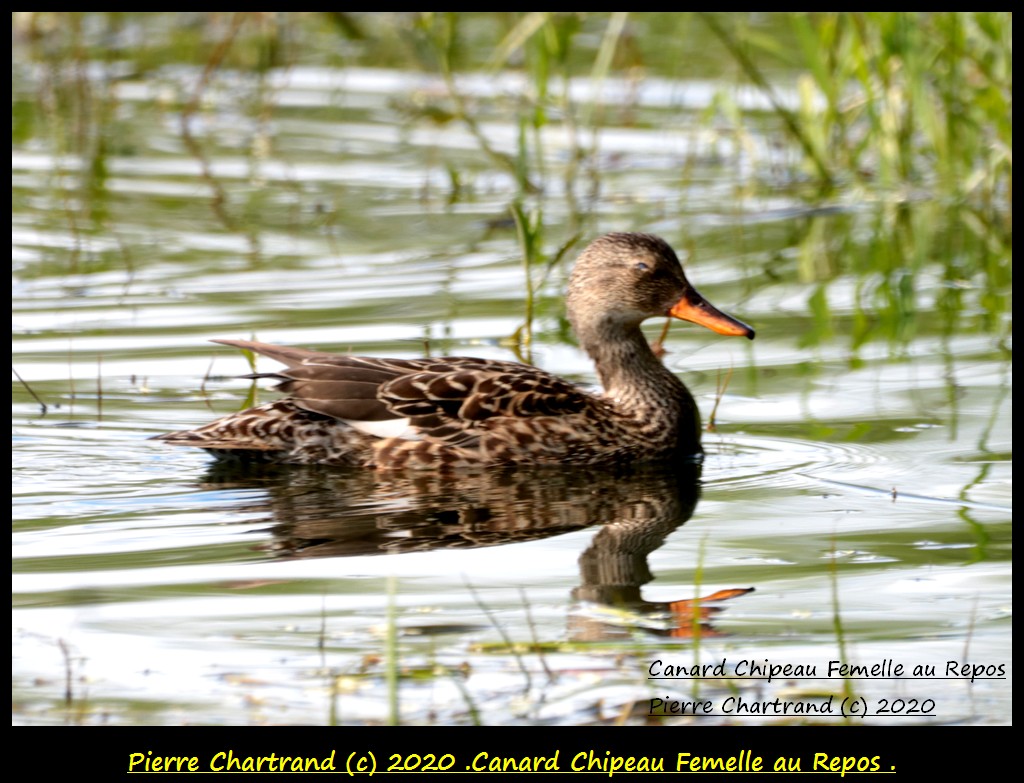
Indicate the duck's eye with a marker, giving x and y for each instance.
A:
(641, 266)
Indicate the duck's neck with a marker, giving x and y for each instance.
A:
(638, 383)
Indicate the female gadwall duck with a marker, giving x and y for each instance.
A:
(448, 412)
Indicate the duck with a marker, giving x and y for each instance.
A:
(451, 412)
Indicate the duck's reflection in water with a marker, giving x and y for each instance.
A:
(320, 512)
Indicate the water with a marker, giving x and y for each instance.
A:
(858, 477)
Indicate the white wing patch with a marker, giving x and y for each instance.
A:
(389, 428)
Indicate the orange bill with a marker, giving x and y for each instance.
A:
(695, 308)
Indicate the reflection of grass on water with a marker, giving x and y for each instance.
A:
(837, 621)
(896, 104)
(529, 230)
(885, 99)
(391, 654)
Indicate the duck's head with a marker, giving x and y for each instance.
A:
(622, 279)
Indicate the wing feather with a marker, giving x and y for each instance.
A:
(448, 400)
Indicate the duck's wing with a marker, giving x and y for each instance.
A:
(342, 387)
(457, 400)
(450, 399)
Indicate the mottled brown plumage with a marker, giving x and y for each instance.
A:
(462, 411)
